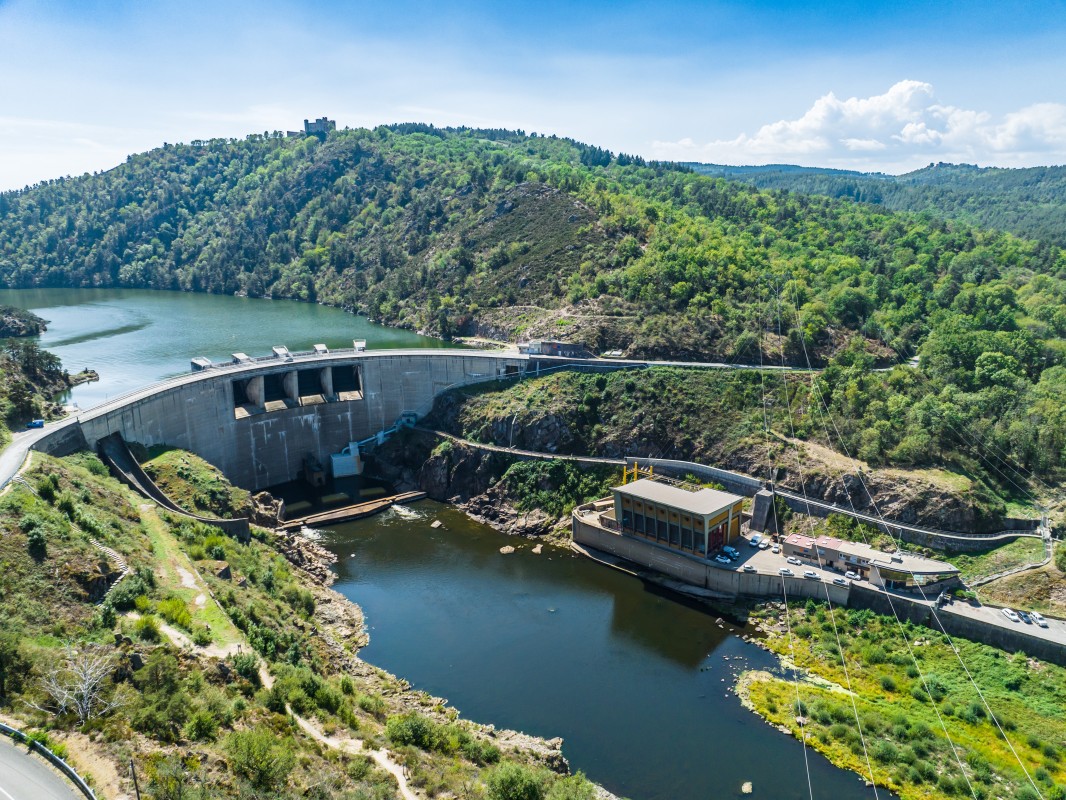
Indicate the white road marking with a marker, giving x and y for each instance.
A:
(2, 791)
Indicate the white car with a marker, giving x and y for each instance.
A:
(754, 540)
(1038, 618)
(811, 574)
(851, 576)
(1009, 614)
(721, 559)
(840, 581)
(775, 549)
(765, 545)
(749, 568)
(793, 560)
(785, 571)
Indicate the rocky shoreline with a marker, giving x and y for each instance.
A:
(339, 624)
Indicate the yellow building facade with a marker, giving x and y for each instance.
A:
(697, 522)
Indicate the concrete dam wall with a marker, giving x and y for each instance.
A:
(257, 422)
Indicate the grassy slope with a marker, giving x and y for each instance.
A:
(181, 702)
(906, 740)
(194, 484)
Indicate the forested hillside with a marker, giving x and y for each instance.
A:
(1028, 202)
(465, 231)
(498, 233)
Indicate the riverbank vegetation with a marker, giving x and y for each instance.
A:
(226, 670)
(907, 709)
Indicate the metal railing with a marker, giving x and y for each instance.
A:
(52, 758)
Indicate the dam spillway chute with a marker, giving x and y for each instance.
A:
(348, 462)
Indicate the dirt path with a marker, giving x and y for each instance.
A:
(349, 745)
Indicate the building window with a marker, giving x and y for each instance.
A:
(686, 538)
(675, 534)
(699, 545)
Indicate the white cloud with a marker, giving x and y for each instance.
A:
(903, 128)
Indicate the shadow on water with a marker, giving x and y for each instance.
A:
(637, 682)
(96, 335)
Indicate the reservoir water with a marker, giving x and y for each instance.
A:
(133, 337)
(636, 682)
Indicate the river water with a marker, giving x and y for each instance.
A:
(636, 682)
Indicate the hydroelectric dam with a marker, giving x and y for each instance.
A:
(257, 419)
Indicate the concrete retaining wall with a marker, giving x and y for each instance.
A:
(696, 572)
(953, 623)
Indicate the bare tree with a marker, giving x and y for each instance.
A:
(78, 683)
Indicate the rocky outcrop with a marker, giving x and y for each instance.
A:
(20, 322)
(308, 555)
(265, 510)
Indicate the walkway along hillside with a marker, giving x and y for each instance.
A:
(748, 486)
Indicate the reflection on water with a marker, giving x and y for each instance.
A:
(556, 645)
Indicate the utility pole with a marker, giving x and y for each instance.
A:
(136, 787)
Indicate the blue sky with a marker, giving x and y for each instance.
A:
(871, 85)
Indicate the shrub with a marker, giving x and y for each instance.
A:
(413, 728)
(247, 666)
(573, 787)
(885, 752)
(887, 683)
(372, 704)
(147, 628)
(510, 781)
(174, 611)
(258, 756)
(201, 727)
(36, 543)
(201, 636)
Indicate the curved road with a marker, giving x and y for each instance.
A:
(27, 777)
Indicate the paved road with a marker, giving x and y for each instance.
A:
(1055, 631)
(27, 777)
(14, 454)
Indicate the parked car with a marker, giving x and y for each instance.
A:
(785, 571)
(37, 423)
(811, 574)
(765, 545)
(754, 540)
(1038, 618)
(840, 581)
(732, 552)
(775, 549)
(793, 560)
(1009, 614)
(1025, 617)
(721, 559)
(851, 576)
(749, 568)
